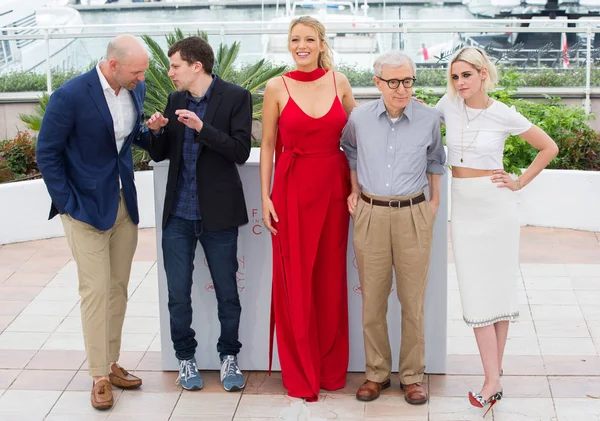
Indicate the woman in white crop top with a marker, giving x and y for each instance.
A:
(484, 224)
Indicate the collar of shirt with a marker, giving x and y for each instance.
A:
(104, 83)
(381, 110)
(206, 95)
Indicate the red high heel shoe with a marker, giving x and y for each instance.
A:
(477, 400)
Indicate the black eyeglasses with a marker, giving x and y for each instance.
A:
(395, 83)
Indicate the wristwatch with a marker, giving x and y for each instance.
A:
(518, 183)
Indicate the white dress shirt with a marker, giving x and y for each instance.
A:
(122, 110)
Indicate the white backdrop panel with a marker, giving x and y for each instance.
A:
(254, 284)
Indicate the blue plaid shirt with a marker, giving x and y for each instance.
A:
(186, 203)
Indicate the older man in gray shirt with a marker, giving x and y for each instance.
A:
(395, 150)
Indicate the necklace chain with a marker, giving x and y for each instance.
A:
(463, 149)
(469, 120)
(462, 129)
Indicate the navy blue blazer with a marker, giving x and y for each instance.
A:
(77, 153)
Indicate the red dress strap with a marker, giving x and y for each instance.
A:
(334, 84)
(286, 87)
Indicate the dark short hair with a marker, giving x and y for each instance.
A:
(192, 49)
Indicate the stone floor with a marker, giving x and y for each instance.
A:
(552, 364)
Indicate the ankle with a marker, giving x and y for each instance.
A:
(98, 378)
(491, 380)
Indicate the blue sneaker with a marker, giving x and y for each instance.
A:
(189, 377)
(232, 378)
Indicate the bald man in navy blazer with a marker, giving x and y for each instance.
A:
(84, 155)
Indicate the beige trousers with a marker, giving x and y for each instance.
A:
(103, 264)
(386, 237)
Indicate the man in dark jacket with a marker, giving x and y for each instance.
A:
(204, 132)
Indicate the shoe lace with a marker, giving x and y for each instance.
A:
(186, 371)
(230, 367)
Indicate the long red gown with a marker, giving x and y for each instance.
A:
(309, 298)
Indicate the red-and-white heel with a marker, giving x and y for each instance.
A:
(477, 400)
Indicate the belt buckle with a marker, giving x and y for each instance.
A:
(391, 204)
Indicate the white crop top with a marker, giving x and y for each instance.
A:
(475, 137)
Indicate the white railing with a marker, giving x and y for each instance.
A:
(241, 28)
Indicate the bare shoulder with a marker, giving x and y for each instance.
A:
(343, 85)
(341, 80)
(274, 85)
(275, 90)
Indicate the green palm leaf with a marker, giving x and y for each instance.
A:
(177, 35)
(157, 55)
(34, 121)
(257, 75)
(224, 60)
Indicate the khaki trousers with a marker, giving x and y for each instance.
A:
(398, 237)
(103, 265)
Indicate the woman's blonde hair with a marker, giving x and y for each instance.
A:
(479, 59)
(325, 60)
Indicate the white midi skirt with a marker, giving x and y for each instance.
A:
(485, 241)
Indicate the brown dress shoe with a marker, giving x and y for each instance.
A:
(121, 378)
(415, 394)
(102, 397)
(369, 391)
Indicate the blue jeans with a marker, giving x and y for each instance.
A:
(179, 241)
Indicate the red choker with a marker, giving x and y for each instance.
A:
(306, 76)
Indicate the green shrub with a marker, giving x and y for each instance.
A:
(30, 81)
(358, 77)
(19, 154)
(6, 173)
(578, 144)
(436, 77)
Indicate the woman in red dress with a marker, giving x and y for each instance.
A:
(304, 113)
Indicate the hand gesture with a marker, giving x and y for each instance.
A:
(268, 212)
(190, 119)
(505, 180)
(352, 201)
(156, 122)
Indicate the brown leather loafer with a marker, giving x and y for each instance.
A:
(369, 391)
(415, 394)
(121, 378)
(102, 397)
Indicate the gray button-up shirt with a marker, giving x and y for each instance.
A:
(392, 159)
